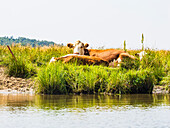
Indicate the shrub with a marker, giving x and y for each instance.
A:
(141, 81)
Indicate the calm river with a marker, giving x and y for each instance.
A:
(86, 111)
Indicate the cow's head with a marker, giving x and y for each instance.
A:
(78, 47)
(141, 54)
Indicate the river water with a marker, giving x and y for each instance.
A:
(85, 111)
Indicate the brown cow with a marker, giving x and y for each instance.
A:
(108, 54)
(81, 59)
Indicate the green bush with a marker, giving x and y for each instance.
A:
(153, 61)
(141, 81)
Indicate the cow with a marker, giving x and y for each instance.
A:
(108, 55)
(81, 59)
(141, 54)
(122, 56)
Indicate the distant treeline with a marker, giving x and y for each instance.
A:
(25, 41)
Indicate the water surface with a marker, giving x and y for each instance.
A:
(85, 111)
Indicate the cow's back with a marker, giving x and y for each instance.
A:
(107, 54)
(85, 60)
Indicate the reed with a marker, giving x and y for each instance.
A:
(124, 46)
(142, 40)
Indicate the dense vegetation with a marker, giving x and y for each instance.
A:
(58, 78)
(24, 41)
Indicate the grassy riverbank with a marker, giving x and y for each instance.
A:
(59, 78)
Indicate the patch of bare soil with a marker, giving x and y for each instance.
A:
(13, 84)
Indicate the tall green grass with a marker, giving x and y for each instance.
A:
(20, 68)
(34, 55)
(58, 78)
(29, 59)
(65, 78)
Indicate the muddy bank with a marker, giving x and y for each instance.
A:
(19, 85)
(160, 89)
(12, 84)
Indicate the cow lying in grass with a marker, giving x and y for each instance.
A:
(81, 60)
(108, 55)
(82, 55)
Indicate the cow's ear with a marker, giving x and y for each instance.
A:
(86, 45)
(70, 45)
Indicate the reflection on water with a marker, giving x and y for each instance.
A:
(84, 101)
(137, 110)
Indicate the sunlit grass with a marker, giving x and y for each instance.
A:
(58, 78)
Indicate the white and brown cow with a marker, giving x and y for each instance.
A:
(108, 55)
(93, 56)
